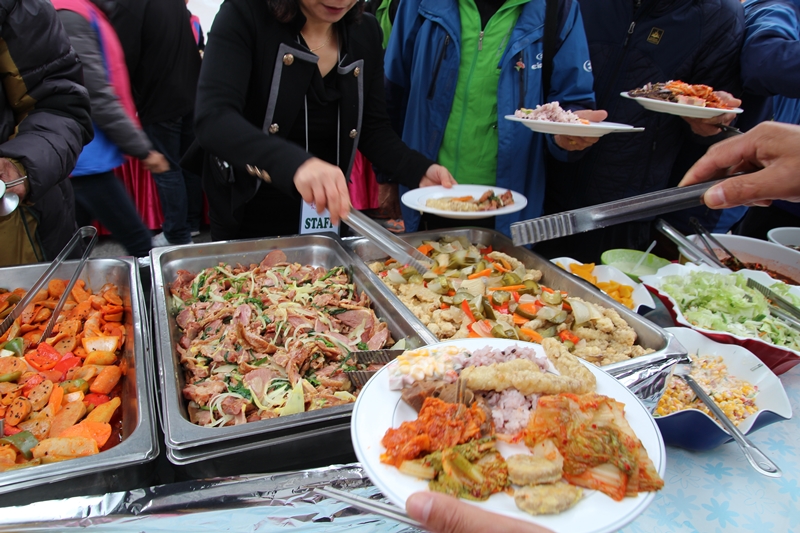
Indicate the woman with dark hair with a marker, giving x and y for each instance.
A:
(288, 90)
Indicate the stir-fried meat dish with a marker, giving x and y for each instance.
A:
(270, 340)
(681, 93)
(731, 263)
(488, 201)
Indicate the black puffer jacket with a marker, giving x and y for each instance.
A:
(696, 41)
(43, 97)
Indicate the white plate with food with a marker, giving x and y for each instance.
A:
(592, 129)
(681, 110)
(462, 202)
(378, 409)
(613, 282)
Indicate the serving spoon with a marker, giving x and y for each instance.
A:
(9, 201)
(760, 462)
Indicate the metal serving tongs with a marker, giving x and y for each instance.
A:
(779, 305)
(708, 239)
(610, 213)
(86, 231)
(760, 462)
(9, 200)
(690, 250)
(387, 242)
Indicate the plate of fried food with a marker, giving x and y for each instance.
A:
(681, 99)
(465, 202)
(551, 118)
(514, 428)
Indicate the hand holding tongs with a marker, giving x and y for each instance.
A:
(608, 214)
(9, 200)
(86, 231)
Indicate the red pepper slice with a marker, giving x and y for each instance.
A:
(44, 358)
(465, 308)
(515, 295)
(10, 430)
(486, 250)
(96, 399)
(567, 335)
(31, 384)
(67, 361)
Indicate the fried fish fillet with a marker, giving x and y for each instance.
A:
(551, 498)
(526, 469)
(526, 376)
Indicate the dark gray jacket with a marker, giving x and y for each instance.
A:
(44, 99)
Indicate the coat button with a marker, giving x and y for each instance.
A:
(353, 134)
(288, 59)
(274, 128)
(356, 71)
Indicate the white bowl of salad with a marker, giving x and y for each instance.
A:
(718, 303)
(747, 391)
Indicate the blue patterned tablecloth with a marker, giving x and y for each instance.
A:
(718, 491)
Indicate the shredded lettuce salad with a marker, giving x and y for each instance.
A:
(724, 302)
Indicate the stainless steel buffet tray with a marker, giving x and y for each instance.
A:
(648, 334)
(124, 464)
(189, 442)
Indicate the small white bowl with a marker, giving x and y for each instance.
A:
(773, 256)
(785, 236)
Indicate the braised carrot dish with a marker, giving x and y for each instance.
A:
(60, 397)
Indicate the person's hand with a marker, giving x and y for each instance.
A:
(155, 162)
(572, 143)
(389, 200)
(437, 175)
(770, 152)
(323, 185)
(10, 172)
(440, 513)
(706, 127)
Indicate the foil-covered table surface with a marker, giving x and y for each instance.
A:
(270, 502)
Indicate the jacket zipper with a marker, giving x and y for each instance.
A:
(522, 81)
(612, 79)
(480, 41)
(432, 88)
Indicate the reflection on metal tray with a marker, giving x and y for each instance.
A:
(124, 465)
(317, 250)
(648, 334)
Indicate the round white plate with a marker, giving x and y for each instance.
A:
(593, 129)
(378, 408)
(682, 110)
(416, 199)
(641, 296)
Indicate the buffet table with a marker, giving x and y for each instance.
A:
(711, 491)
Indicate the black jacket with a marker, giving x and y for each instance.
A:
(42, 96)
(161, 54)
(253, 64)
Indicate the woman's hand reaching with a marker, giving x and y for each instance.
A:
(323, 185)
(437, 175)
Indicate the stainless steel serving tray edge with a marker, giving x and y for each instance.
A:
(141, 445)
(180, 433)
(649, 335)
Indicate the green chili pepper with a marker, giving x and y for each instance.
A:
(24, 442)
(15, 345)
(11, 376)
(75, 385)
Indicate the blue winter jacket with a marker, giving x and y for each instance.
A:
(771, 60)
(421, 66)
(696, 41)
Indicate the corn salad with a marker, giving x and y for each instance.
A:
(734, 396)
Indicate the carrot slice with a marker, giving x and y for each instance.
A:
(106, 380)
(534, 335)
(55, 400)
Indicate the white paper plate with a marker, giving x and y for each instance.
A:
(378, 408)
(641, 296)
(593, 129)
(682, 110)
(416, 199)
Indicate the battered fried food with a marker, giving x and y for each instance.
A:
(531, 470)
(552, 498)
(526, 376)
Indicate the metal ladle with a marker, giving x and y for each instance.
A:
(9, 201)
(760, 462)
